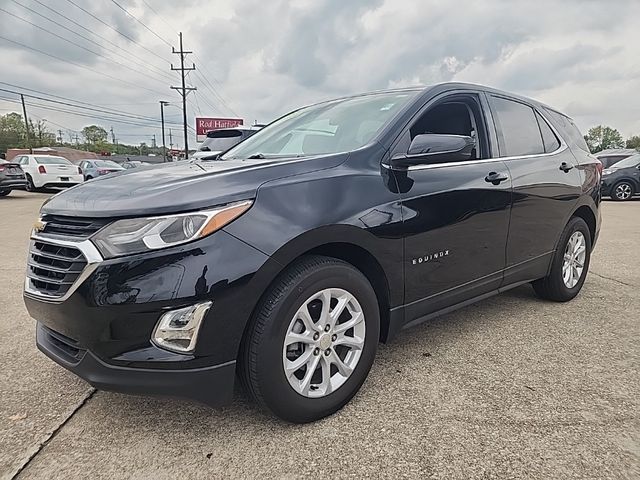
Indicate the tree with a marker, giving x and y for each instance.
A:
(12, 131)
(634, 142)
(94, 134)
(602, 137)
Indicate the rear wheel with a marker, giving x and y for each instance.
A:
(4, 193)
(570, 264)
(30, 185)
(622, 191)
(88, 177)
(312, 341)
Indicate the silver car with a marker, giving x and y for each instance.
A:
(96, 168)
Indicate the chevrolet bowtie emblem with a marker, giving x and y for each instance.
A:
(39, 225)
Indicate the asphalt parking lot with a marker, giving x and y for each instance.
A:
(512, 387)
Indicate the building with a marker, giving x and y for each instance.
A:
(70, 154)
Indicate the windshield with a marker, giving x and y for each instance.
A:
(330, 127)
(106, 164)
(53, 161)
(220, 140)
(631, 161)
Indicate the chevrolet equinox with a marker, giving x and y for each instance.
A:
(286, 259)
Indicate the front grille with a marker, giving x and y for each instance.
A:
(52, 269)
(75, 227)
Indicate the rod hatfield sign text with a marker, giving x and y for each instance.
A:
(206, 124)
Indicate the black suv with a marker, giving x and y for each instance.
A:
(286, 260)
(621, 181)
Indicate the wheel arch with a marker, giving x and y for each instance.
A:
(329, 242)
(584, 212)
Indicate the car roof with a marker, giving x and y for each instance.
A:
(424, 89)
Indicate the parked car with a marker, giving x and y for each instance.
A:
(48, 171)
(95, 168)
(287, 267)
(218, 141)
(11, 177)
(613, 155)
(621, 181)
(134, 164)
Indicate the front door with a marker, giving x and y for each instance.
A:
(456, 215)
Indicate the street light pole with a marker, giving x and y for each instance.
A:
(164, 148)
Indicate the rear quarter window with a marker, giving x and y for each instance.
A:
(568, 129)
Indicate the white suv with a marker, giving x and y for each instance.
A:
(44, 171)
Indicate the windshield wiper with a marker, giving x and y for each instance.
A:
(256, 155)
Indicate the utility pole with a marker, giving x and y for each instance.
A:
(26, 123)
(153, 141)
(164, 145)
(170, 140)
(113, 140)
(76, 139)
(184, 91)
(60, 136)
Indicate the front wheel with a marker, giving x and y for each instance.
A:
(622, 191)
(312, 341)
(570, 264)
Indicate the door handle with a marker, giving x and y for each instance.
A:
(496, 178)
(565, 167)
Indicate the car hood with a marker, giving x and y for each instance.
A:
(178, 187)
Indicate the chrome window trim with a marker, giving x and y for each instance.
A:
(563, 146)
(90, 252)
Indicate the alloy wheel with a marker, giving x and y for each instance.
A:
(575, 254)
(623, 191)
(324, 342)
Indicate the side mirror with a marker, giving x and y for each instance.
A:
(436, 148)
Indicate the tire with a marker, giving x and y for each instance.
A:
(264, 355)
(4, 193)
(30, 185)
(555, 286)
(622, 191)
(87, 178)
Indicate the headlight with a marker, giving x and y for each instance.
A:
(606, 172)
(137, 235)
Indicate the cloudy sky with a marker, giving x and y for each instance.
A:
(258, 59)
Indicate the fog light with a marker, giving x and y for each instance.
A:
(177, 330)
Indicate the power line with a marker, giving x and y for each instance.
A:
(137, 58)
(146, 74)
(79, 65)
(106, 116)
(206, 81)
(139, 21)
(102, 108)
(116, 30)
(99, 110)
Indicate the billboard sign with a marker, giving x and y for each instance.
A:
(206, 124)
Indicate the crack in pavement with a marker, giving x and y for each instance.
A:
(34, 451)
(612, 279)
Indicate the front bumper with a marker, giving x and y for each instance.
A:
(101, 328)
(605, 188)
(209, 385)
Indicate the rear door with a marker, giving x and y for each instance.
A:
(546, 186)
(455, 219)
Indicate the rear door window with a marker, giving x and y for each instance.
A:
(518, 127)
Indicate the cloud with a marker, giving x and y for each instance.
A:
(260, 59)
